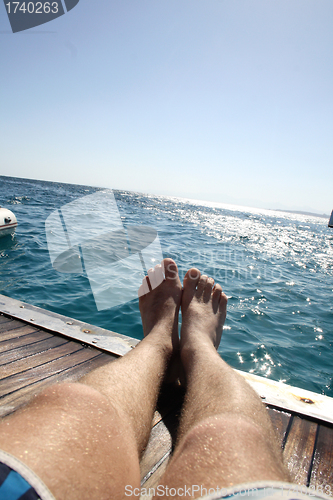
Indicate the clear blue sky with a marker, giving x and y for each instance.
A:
(222, 100)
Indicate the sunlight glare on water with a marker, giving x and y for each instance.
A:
(276, 269)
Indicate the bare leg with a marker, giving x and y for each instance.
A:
(84, 439)
(226, 436)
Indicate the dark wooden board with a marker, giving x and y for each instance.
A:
(17, 332)
(13, 401)
(21, 366)
(299, 449)
(158, 448)
(4, 319)
(280, 421)
(322, 468)
(29, 350)
(154, 480)
(31, 359)
(11, 325)
(76, 354)
(32, 338)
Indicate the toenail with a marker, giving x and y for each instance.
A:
(197, 274)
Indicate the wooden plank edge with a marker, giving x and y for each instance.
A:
(288, 398)
(94, 336)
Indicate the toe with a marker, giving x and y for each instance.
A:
(223, 302)
(217, 290)
(191, 280)
(207, 293)
(201, 285)
(170, 269)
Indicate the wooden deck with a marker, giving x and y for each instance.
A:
(32, 358)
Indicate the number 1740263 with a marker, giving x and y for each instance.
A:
(32, 8)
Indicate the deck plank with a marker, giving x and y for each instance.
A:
(4, 319)
(322, 468)
(158, 448)
(32, 338)
(162, 437)
(11, 325)
(299, 449)
(280, 420)
(29, 350)
(154, 480)
(17, 332)
(75, 354)
(17, 399)
(39, 359)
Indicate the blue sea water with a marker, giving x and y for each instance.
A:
(275, 267)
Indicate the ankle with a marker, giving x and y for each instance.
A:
(160, 340)
(195, 350)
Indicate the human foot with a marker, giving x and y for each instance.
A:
(204, 309)
(159, 307)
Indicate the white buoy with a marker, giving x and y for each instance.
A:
(8, 222)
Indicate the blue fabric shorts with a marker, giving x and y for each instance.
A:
(18, 482)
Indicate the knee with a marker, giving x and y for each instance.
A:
(81, 404)
(223, 431)
(70, 395)
(233, 435)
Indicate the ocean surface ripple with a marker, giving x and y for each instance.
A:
(275, 267)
